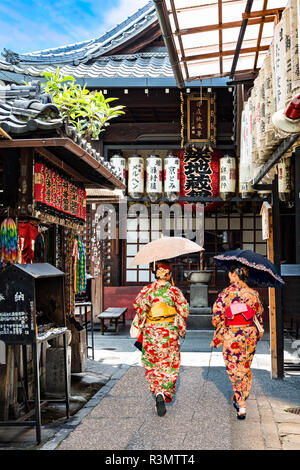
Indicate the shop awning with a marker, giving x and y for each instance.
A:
(215, 38)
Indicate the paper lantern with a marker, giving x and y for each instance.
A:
(284, 178)
(280, 65)
(286, 19)
(154, 182)
(135, 176)
(295, 56)
(227, 177)
(119, 164)
(269, 101)
(245, 189)
(199, 174)
(171, 177)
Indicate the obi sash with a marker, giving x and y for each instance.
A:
(161, 312)
(239, 314)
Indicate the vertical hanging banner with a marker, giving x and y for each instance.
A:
(201, 118)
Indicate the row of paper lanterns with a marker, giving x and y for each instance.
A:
(277, 82)
(162, 175)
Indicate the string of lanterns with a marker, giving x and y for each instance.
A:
(156, 176)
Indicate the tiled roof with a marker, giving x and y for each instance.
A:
(82, 52)
(146, 64)
(24, 109)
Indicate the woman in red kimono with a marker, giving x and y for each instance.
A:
(162, 311)
(237, 317)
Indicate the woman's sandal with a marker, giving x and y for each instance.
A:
(234, 402)
(241, 413)
(160, 404)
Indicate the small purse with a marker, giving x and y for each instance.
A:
(134, 331)
(258, 325)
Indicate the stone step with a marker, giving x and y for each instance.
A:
(199, 322)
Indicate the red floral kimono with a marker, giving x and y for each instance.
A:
(239, 342)
(161, 346)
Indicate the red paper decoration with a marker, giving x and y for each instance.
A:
(54, 191)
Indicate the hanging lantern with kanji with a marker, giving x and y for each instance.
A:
(245, 188)
(135, 176)
(227, 177)
(119, 164)
(154, 187)
(284, 178)
(171, 177)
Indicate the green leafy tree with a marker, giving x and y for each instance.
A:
(86, 110)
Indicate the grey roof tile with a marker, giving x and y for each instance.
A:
(146, 64)
(91, 49)
(23, 108)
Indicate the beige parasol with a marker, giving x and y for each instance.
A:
(164, 248)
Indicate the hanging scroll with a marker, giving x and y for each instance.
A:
(56, 195)
(201, 119)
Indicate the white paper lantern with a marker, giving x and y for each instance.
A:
(245, 188)
(227, 177)
(136, 176)
(284, 179)
(119, 164)
(154, 182)
(172, 177)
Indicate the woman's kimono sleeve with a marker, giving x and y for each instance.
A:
(182, 311)
(218, 320)
(141, 306)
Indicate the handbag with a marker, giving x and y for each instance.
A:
(134, 330)
(258, 325)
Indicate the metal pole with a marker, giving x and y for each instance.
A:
(66, 377)
(240, 39)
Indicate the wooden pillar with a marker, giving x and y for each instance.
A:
(275, 311)
(5, 374)
(297, 202)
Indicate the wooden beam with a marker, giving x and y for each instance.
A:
(210, 55)
(220, 35)
(262, 13)
(5, 373)
(216, 27)
(60, 164)
(71, 146)
(259, 36)
(182, 52)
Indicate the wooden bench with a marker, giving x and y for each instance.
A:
(112, 314)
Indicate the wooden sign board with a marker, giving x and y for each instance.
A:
(201, 118)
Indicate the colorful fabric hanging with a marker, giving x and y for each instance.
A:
(8, 242)
(81, 269)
